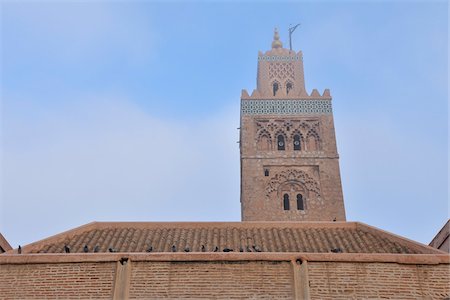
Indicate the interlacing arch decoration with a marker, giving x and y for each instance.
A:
(272, 126)
(263, 132)
(307, 130)
(288, 125)
(264, 140)
(312, 141)
(292, 176)
(314, 126)
(304, 126)
(279, 131)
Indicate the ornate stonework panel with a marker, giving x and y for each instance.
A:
(292, 175)
(285, 107)
(304, 125)
(281, 70)
(308, 131)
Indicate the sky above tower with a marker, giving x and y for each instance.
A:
(127, 111)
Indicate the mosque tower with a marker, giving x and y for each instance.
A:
(289, 160)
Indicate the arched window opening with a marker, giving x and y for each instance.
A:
(300, 204)
(286, 202)
(275, 88)
(280, 142)
(297, 142)
(288, 87)
(266, 172)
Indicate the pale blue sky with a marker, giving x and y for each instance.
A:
(127, 111)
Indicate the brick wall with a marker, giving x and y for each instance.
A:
(62, 281)
(378, 281)
(225, 280)
(211, 280)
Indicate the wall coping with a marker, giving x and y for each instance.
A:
(55, 258)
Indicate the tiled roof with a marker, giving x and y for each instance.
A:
(439, 241)
(4, 245)
(314, 237)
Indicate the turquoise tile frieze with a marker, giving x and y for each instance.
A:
(285, 107)
(278, 58)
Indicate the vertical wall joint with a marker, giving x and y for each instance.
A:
(121, 287)
(301, 280)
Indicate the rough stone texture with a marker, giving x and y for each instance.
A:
(61, 281)
(332, 280)
(212, 280)
(311, 171)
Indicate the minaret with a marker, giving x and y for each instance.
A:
(289, 160)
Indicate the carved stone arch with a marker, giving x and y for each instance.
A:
(291, 189)
(304, 126)
(288, 125)
(264, 140)
(288, 185)
(282, 132)
(272, 126)
(296, 131)
(263, 132)
(312, 141)
(294, 177)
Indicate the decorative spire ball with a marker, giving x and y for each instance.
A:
(276, 40)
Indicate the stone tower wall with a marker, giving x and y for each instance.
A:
(301, 181)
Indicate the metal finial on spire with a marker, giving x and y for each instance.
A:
(276, 40)
(291, 30)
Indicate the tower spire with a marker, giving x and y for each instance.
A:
(276, 40)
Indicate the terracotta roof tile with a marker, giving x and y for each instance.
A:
(309, 237)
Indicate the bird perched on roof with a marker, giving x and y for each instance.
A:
(256, 248)
(334, 220)
(216, 249)
(336, 250)
(85, 249)
(226, 249)
(203, 248)
(96, 248)
(19, 250)
(66, 249)
(111, 249)
(187, 249)
(123, 260)
(174, 248)
(149, 249)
